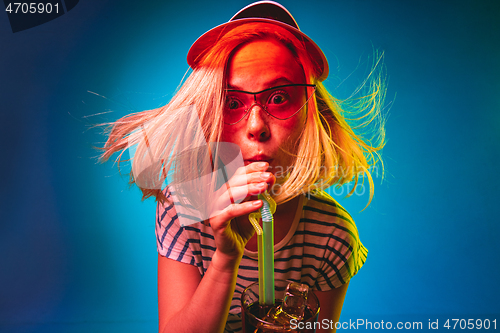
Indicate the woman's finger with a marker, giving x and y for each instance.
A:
(252, 173)
(247, 181)
(221, 220)
(237, 194)
(252, 167)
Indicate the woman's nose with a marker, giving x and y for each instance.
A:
(257, 126)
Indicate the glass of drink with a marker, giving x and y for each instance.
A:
(273, 319)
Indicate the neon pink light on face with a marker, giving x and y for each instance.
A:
(257, 66)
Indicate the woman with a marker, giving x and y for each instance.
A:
(256, 83)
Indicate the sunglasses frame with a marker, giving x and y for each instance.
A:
(263, 106)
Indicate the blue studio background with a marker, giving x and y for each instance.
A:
(77, 246)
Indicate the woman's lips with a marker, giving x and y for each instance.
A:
(258, 159)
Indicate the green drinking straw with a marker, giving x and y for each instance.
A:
(265, 244)
(254, 219)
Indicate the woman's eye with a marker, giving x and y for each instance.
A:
(233, 104)
(278, 98)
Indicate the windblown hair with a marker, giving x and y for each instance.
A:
(340, 141)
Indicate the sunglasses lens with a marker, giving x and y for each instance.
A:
(281, 102)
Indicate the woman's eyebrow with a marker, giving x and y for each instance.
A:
(280, 81)
(273, 83)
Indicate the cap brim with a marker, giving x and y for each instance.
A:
(208, 39)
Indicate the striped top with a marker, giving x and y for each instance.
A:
(322, 248)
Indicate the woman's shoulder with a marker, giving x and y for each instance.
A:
(327, 222)
(321, 204)
(323, 214)
(175, 208)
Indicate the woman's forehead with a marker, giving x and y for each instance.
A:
(262, 63)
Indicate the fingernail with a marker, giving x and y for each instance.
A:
(265, 175)
(256, 203)
(261, 185)
(263, 164)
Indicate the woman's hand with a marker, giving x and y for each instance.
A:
(231, 234)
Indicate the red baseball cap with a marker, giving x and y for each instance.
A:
(261, 11)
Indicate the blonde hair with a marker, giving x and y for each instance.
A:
(326, 145)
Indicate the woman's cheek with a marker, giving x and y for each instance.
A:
(227, 135)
